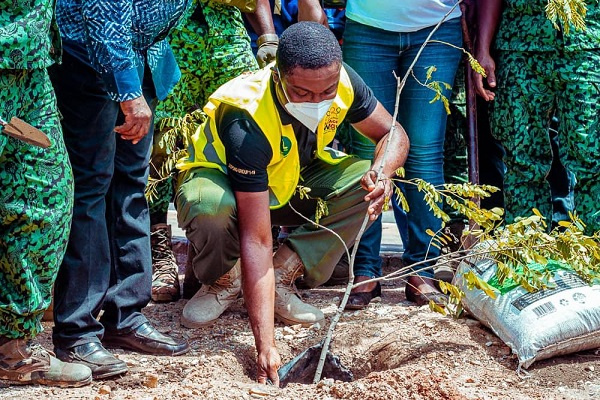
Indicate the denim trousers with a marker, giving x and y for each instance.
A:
(207, 211)
(376, 54)
(108, 264)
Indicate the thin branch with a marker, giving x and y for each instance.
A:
(386, 148)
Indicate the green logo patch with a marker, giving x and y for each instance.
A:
(286, 146)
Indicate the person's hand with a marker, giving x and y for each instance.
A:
(379, 192)
(488, 64)
(267, 363)
(267, 49)
(138, 118)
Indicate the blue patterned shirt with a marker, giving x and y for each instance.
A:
(118, 38)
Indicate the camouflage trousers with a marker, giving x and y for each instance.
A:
(532, 88)
(209, 53)
(36, 200)
(455, 142)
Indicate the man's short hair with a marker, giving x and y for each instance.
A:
(308, 45)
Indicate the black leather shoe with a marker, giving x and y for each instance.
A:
(414, 285)
(102, 363)
(422, 299)
(360, 300)
(146, 339)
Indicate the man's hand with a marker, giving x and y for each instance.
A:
(379, 192)
(488, 64)
(138, 118)
(267, 49)
(267, 363)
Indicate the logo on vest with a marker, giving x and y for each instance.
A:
(286, 146)
(331, 120)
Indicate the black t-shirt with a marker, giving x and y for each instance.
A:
(248, 151)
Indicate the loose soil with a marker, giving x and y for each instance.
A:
(394, 349)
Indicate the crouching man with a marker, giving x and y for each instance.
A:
(267, 134)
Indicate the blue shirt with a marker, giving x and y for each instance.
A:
(118, 38)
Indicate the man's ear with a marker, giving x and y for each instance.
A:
(275, 74)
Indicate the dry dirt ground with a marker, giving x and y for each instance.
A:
(394, 349)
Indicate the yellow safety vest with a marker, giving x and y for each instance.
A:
(252, 93)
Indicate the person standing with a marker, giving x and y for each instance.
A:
(116, 63)
(36, 189)
(381, 39)
(539, 74)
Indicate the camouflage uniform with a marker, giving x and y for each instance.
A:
(542, 72)
(455, 143)
(211, 48)
(36, 185)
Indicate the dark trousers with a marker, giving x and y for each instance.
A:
(108, 264)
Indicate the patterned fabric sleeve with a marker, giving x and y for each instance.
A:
(108, 26)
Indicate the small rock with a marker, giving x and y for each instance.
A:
(288, 330)
(433, 354)
(469, 380)
(257, 390)
(472, 322)
(488, 344)
(288, 337)
(429, 324)
(327, 382)
(475, 362)
(590, 368)
(504, 385)
(104, 389)
(316, 326)
(451, 353)
(151, 380)
(297, 327)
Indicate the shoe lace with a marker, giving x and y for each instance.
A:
(163, 258)
(38, 351)
(289, 277)
(223, 283)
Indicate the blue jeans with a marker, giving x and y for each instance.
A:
(375, 54)
(108, 263)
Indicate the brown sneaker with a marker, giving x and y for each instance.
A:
(23, 363)
(165, 279)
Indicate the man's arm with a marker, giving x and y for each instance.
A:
(262, 23)
(488, 18)
(108, 26)
(254, 226)
(377, 128)
(311, 10)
